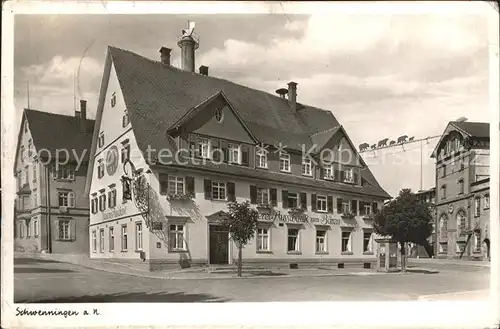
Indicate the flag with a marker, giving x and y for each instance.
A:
(190, 26)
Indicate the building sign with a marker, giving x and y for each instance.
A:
(114, 213)
(112, 160)
(298, 218)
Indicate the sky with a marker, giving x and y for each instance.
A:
(382, 76)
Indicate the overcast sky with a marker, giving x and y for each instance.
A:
(380, 75)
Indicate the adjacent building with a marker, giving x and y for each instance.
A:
(428, 197)
(172, 147)
(462, 191)
(51, 208)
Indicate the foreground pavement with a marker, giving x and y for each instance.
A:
(43, 280)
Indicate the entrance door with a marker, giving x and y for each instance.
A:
(219, 245)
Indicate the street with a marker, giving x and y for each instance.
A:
(47, 281)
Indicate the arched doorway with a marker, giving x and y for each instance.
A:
(487, 243)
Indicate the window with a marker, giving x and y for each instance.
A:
(477, 207)
(443, 227)
(367, 208)
(112, 198)
(21, 153)
(19, 178)
(125, 119)
(125, 152)
(346, 241)
(219, 115)
(328, 172)
(94, 241)
(177, 237)
(100, 168)
(218, 191)
(101, 240)
(26, 127)
(346, 207)
(293, 200)
(461, 221)
(307, 166)
(461, 186)
(100, 140)
(34, 172)
(102, 202)
(124, 238)
(320, 241)
(138, 236)
(321, 203)
(94, 205)
(21, 229)
(443, 192)
(28, 229)
(66, 172)
(35, 228)
(64, 230)
(34, 195)
(234, 153)
(284, 161)
(261, 155)
(26, 175)
(293, 239)
(487, 201)
(25, 202)
(263, 239)
(349, 175)
(67, 199)
(204, 148)
(175, 184)
(443, 171)
(113, 99)
(477, 242)
(262, 196)
(111, 239)
(367, 242)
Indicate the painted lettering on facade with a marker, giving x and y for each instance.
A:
(298, 218)
(114, 213)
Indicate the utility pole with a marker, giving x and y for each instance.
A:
(421, 164)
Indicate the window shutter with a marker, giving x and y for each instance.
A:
(72, 227)
(71, 201)
(190, 185)
(274, 197)
(55, 225)
(375, 207)
(231, 192)
(303, 201)
(244, 156)
(207, 186)
(215, 147)
(362, 211)
(337, 176)
(110, 200)
(193, 150)
(253, 194)
(329, 204)
(163, 183)
(355, 176)
(354, 207)
(339, 205)
(321, 172)
(225, 151)
(313, 202)
(284, 199)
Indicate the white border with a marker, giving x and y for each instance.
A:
(393, 314)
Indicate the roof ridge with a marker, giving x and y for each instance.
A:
(325, 131)
(304, 106)
(52, 113)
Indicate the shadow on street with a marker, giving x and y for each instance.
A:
(29, 261)
(40, 270)
(136, 297)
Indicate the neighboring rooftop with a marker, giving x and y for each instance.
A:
(53, 131)
(474, 129)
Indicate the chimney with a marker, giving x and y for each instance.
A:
(165, 55)
(203, 70)
(83, 116)
(188, 43)
(292, 95)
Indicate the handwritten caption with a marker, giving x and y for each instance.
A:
(56, 312)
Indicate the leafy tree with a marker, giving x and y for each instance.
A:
(404, 219)
(241, 223)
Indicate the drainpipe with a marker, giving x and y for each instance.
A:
(47, 197)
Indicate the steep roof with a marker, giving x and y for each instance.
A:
(474, 129)
(157, 96)
(53, 131)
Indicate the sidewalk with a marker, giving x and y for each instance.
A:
(437, 261)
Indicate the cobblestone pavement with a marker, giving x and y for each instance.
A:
(41, 280)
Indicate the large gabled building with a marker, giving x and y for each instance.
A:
(462, 191)
(51, 209)
(172, 147)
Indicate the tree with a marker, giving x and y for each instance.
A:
(404, 219)
(241, 223)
